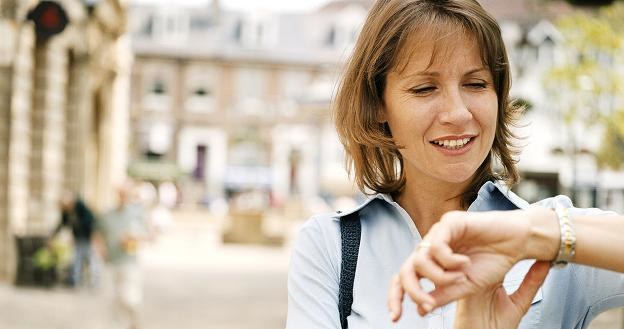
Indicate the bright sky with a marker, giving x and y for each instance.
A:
(271, 5)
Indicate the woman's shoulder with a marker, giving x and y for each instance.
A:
(323, 224)
(325, 228)
(555, 201)
(566, 202)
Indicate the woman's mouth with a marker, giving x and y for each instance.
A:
(453, 144)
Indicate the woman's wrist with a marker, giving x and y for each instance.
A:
(476, 310)
(471, 313)
(544, 234)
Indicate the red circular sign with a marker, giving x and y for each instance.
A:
(49, 18)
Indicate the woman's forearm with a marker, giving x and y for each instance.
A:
(598, 239)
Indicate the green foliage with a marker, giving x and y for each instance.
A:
(57, 254)
(588, 86)
(611, 153)
(44, 259)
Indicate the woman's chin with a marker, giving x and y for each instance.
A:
(460, 176)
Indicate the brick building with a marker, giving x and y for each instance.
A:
(237, 101)
(63, 112)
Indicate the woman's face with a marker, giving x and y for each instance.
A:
(442, 110)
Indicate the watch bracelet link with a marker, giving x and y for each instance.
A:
(567, 246)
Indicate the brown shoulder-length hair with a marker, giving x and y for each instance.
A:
(390, 23)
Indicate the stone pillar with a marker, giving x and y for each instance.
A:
(120, 110)
(6, 74)
(112, 146)
(15, 104)
(48, 135)
(93, 117)
(77, 124)
(178, 109)
(8, 8)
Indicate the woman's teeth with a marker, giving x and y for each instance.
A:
(453, 144)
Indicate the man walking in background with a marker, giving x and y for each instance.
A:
(122, 230)
(76, 215)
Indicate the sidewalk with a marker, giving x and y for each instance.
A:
(31, 308)
(191, 281)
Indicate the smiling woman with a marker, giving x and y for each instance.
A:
(423, 112)
(436, 104)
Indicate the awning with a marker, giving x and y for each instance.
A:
(154, 170)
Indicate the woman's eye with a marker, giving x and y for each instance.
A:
(423, 90)
(477, 85)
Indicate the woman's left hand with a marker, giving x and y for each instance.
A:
(492, 308)
(467, 252)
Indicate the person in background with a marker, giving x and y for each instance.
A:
(76, 215)
(121, 232)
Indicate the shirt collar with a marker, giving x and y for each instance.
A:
(497, 196)
(491, 196)
(383, 197)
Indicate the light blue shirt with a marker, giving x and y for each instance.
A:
(116, 225)
(569, 299)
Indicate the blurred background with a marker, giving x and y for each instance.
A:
(219, 112)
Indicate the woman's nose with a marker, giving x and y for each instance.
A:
(454, 109)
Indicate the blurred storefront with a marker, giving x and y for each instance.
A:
(240, 101)
(64, 81)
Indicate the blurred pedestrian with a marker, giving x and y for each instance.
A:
(76, 215)
(122, 230)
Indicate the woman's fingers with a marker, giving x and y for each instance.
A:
(395, 299)
(439, 238)
(443, 255)
(446, 294)
(426, 267)
(528, 288)
(409, 280)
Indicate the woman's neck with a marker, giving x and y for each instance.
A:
(426, 203)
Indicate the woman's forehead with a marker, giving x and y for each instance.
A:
(434, 45)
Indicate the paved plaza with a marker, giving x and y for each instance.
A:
(192, 281)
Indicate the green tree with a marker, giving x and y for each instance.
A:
(588, 87)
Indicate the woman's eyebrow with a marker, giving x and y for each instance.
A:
(428, 73)
(476, 70)
(420, 74)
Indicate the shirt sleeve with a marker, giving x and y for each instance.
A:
(597, 290)
(313, 279)
(604, 290)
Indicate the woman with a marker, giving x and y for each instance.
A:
(493, 242)
(422, 111)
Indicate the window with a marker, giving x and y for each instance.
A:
(331, 37)
(201, 88)
(201, 99)
(156, 97)
(201, 92)
(250, 90)
(158, 87)
(256, 30)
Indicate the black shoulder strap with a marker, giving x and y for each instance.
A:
(350, 232)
